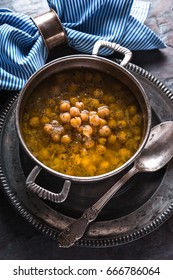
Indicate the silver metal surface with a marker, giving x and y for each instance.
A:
(42, 192)
(154, 156)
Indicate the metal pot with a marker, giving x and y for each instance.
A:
(82, 61)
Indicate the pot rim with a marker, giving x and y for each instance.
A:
(94, 58)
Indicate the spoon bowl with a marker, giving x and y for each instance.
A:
(158, 150)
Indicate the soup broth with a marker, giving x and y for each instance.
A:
(82, 123)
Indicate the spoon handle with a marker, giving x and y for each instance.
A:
(77, 228)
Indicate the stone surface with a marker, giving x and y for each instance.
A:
(18, 240)
(29, 7)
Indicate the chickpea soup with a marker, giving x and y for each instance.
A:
(82, 123)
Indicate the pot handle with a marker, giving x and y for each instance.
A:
(43, 193)
(116, 47)
(51, 29)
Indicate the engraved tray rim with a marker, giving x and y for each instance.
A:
(105, 241)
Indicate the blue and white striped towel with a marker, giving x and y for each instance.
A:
(22, 50)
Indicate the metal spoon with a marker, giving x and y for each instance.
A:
(157, 152)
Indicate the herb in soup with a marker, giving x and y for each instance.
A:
(82, 123)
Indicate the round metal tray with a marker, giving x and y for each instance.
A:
(143, 204)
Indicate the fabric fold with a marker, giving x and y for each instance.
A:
(108, 20)
(22, 49)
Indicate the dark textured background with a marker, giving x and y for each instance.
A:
(18, 240)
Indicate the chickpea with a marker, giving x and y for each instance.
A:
(137, 138)
(122, 123)
(118, 145)
(119, 114)
(115, 161)
(130, 144)
(98, 93)
(44, 153)
(100, 149)
(109, 99)
(136, 131)
(80, 130)
(105, 131)
(48, 128)
(91, 113)
(95, 103)
(48, 111)
(79, 105)
(55, 136)
(122, 136)
(136, 120)
(73, 100)
(102, 141)
(53, 115)
(94, 158)
(64, 106)
(112, 123)
(87, 130)
(45, 120)
(124, 154)
(84, 115)
(91, 169)
(57, 162)
(103, 112)
(94, 120)
(132, 109)
(114, 107)
(85, 100)
(74, 112)
(59, 129)
(89, 143)
(65, 117)
(102, 122)
(104, 165)
(60, 148)
(112, 139)
(76, 122)
(34, 122)
(66, 139)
